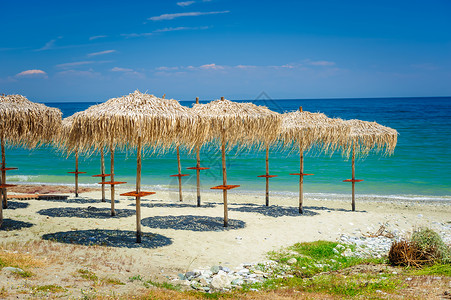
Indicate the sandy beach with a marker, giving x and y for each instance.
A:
(178, 236)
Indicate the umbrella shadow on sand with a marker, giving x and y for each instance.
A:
(110, 238)
(9, 225)
(332, 209)
(176, 205)
(192, 223)
(79, 200)
(274, 211)
(86, 212)
(16, 205)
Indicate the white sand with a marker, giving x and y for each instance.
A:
(324, 220)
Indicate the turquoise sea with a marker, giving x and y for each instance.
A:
(420, 168)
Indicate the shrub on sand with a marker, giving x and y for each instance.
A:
(424, 248)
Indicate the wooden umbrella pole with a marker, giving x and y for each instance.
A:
(267, 175)
(179, 167)
(198, 166)
(198, 175)
(224, 181)
(76, 173)
(102, 171)
(301, 181)
(353, 177)
(113, 212)
(1, 215)
(138, 190)
(4, 193)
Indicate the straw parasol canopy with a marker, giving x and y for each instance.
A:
(133, 121)
(119, 122)
(301, 130)
(244, 123)
(230, 123)
(25, 123)
(363, 137)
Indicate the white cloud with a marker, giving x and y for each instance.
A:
(132, 35)
(180, 28)
(322, 63)
(211, 67)
(97, 37)
(167, 68)
(81, 63)
(117, 69)
(128, 72)
(185, 3)
(34, 72)
(49, 45)
(90, 73)
(187, 14)
(74, 64)
(101, 52)
(244, 67)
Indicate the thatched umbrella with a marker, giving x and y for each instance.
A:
(231, 123)
(301, 130)
(133, 121)
(24, 123)
(363, 137)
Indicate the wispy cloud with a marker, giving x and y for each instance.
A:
(304, 66)
(244, 67)
(167, 68)
(133, 35)
(97, 37)
(185, 3)
(77, 73)
(81, 63)
(101, 52)
(167, 29)
(211, 67)
(180, 28)
(128, 72)
(33, 72)
(117, 69)
(49, 45)
(187, 14)
(322, 63)
(74, 64)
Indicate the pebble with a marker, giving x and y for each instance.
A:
(12, 270)
(219, 278)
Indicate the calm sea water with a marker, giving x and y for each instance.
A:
(419, 169)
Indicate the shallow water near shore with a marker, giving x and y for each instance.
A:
(419, 170)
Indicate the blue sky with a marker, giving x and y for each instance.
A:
(95, 50)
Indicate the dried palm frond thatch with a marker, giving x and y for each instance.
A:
(119, 122)
(365, 136)
(230, 123)
(25, 123)
(244, 123)
(302, 129)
